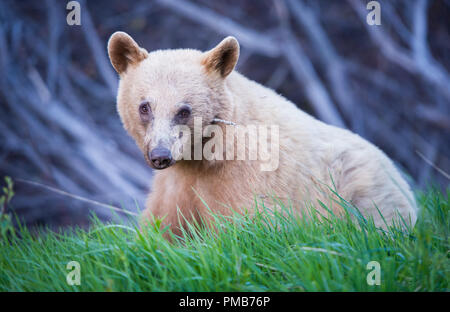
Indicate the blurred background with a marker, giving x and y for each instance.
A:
(61, 140)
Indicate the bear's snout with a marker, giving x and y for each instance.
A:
(160, 158)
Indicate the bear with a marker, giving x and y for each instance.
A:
(166, 89)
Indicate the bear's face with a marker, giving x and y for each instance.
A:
(164, 91)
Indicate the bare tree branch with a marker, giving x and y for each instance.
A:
(424, 66)
(251, 39)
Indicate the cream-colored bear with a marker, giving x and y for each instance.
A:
(165, 89)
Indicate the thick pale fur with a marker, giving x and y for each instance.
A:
(311, 152)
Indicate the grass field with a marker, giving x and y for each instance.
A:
(266, 253)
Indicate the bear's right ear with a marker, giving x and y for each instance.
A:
(123, 51)
(223, 58)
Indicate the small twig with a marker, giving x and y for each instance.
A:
(224, 121)
(445, 174)
(53, 189)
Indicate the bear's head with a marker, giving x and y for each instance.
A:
(162, 91)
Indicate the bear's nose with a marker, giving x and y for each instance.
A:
(161, 158)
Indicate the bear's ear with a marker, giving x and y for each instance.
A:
(223, 58)
(123, 50)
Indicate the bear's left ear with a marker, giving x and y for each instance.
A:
(223, 58)
(123, 51)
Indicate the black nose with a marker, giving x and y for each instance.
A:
(160, 157)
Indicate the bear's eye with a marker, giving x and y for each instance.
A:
(183, 114)
(144, 111)
(143, 108)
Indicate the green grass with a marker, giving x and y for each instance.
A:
(265, 253)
